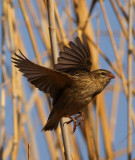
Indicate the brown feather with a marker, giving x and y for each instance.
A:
(76, 58)
(46, 80)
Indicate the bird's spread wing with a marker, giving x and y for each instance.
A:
(46, 80)
(75, 58)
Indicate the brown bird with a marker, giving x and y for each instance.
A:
(71, 84)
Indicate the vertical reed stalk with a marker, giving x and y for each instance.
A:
(14, 80)
(114, 46)
(54, 48)
(130, 80)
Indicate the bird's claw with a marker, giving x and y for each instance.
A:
(81, 116)
(67, 122)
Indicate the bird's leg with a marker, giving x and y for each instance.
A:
(72, 120)
(81, 116)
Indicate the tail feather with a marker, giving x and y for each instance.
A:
(51, 124)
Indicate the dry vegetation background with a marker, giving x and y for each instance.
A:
(108, 129)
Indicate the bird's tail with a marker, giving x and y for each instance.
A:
(51, 124)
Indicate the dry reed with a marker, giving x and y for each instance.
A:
(64, 20)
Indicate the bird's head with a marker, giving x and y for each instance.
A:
(102, 77)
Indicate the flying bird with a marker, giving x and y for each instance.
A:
(71, 84)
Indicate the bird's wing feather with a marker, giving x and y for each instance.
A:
(75, 58)
(46, 80)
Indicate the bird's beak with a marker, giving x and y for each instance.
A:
(111, 76)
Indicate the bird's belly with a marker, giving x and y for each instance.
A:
(72, 110)
(71, 102)
(76, 107)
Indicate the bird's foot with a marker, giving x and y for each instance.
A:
(74, 119)
(81, 116)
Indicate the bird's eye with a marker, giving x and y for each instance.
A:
(103, 73)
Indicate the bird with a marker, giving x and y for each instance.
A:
(71, 84)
